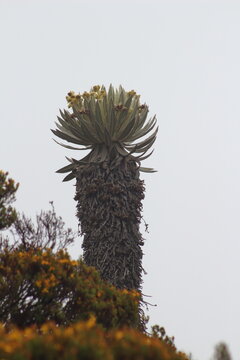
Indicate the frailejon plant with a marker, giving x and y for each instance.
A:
(109, 192)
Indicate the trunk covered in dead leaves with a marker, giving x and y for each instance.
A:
(109, 212)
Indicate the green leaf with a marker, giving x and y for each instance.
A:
(129, 120)
(69, 177)
(65, 169)
(141, 158)
(143, 131)
(71, 147)
(73, 132)
(67, 138)
(110, 94)
(112, 123)
(73, 129)
(99, 126)
(145, 142)
(147, 170)
(108, 139)
(121, 150)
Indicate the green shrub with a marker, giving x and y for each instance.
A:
(8, 188)
(83, 340)
(39, 285)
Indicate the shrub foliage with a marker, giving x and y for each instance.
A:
(8, 189)
(37, 286)
(83, 340)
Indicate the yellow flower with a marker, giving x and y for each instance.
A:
(52, 278)
(148, 341)
(29, 332)
(44, 328)
(96, 88)
(119, 335)
(6, 347)
(103, 92)
(14, 335)
(91, 322)
(131, 93)
(48, 326)
(74, 262)
(86, 94)
(69, 331)
(135, 293)
(35, 258)
(44, 262)
(38, 283)
(64, 261)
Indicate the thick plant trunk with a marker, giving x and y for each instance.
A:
(109, 211)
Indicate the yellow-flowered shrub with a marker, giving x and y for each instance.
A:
(83, 340)
(39, 285)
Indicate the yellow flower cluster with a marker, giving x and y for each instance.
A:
(47, 283)
(65, 281)
(54, 342)
(73, 99)
(97, 92)
(48, 269)
(131, 292)
(13, 340)
(131, 93)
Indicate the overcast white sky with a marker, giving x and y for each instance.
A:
(183, 58)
